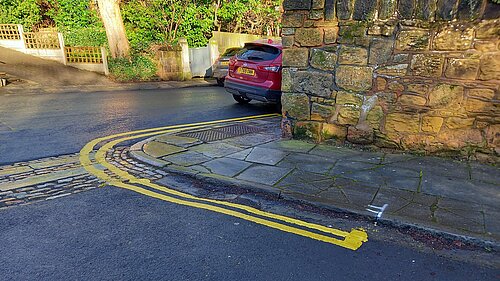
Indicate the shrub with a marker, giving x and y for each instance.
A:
(138, 68)
(25, 12)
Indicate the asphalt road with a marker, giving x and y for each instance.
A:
(55, 124)
(115, 234)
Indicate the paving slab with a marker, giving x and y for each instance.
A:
(307, 162)
(333, 152)
(266, 156)
(436, 166)
(159, 149)
(465, 190)
(485, 173)
(342, 168)
(358, 194)
(472, 222)
(226, 166)
(395, 199)
(187, 158)
(414, 212)
(290, 145)
(34, 180)
(178, 140)
(242, 155)
(216, 149)
(263, 174)
(305, 182)
(251, 140)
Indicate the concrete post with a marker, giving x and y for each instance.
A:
(21, 34)
(60, 37)
(104, 56)
(214, 50)
(186, 70)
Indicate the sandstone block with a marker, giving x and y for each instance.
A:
(445, 95)
(374, 116)
(418, 88)
(456, 139)
(353, 33)
(475, 105)
(468, 10)
(387, 9)
(308, 130)
(287, 40)
(293, 19)
(490, 67)
(333, 131)
(482, 93)
(381, 83)
(402, 123)
(428, 65)
(454, 37)
(287, 31)
(380, 51)
(289, 5)
(413, 39)
(406, 9)
(344, 9)
(395, 86)
(354, 78)
(488, 29)
(431, 124)
(331, 35)
(393, 70)
(318, 4)
(321, 111)
(364, 10)
(353, 55)
(462, 68)
(485, 46)
(286, 79)
(348, 115)
(351, 99)
(316, 14)
(412, 100)
(493, 135)
(445, 9)
(458, 123)
(313, 83)
(296, 105)
(424, 9)
(309, 37)
(324, 59)
(401, 58)
(359, 136)
(296, 57)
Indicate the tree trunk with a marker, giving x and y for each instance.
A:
(115, 31)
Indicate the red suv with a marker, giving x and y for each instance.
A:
(255, 72)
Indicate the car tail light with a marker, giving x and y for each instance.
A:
(270, 68)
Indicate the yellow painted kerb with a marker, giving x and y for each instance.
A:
(352, 240)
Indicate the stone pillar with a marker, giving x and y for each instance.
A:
(186, 70)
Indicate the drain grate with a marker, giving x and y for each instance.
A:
(221, 133)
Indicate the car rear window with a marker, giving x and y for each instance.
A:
(231, 52)
(258, 53)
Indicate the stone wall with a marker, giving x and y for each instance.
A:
(410, 74)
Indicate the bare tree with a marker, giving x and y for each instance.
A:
(115, 30)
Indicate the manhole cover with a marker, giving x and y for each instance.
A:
(221, 133)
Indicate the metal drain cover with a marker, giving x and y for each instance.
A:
(221, 133)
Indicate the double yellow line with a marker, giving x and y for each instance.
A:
(119, 178)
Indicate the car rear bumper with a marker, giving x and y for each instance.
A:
(219, 72)
(252, 92)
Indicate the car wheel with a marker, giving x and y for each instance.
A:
(220, 81)
(241, 99)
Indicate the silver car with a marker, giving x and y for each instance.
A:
(221, 66)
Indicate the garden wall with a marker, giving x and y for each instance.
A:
(408, 74)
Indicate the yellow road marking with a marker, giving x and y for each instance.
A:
(352, 240)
